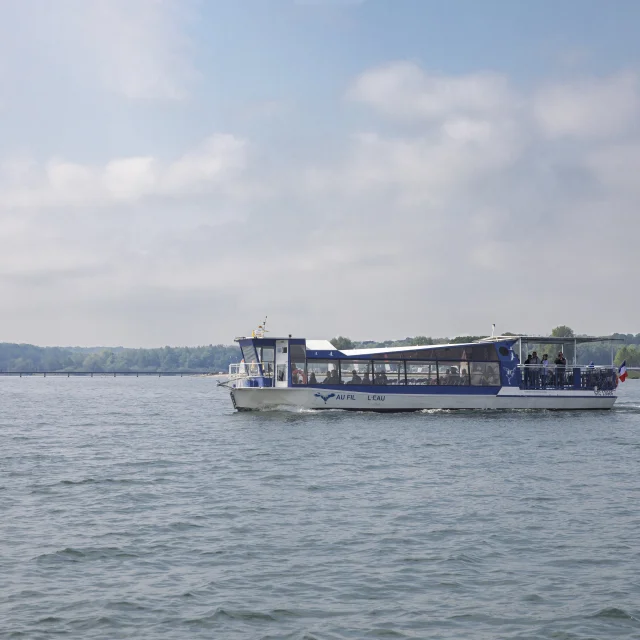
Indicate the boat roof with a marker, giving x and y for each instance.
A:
(320, 345)
(356, 352)
(553, 339)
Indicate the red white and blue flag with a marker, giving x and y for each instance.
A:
(622, 372)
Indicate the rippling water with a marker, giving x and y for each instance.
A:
(146, 508)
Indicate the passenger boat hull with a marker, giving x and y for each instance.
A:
(395, 400)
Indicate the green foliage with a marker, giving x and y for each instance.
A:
(25, 357)
(630, 353)
(341, 343)
(465, 339)
(562, 331)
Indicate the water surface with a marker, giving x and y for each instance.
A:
(147, 508)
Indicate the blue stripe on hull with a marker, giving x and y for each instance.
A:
(403, 389)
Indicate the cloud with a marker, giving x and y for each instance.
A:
(588, 107)
(405, 91)
(617, 167)
(134, 49)
(452, 208)
(122, 180)
(140, 48)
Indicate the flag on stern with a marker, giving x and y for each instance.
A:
(622, 372)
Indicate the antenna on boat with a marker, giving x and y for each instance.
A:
(493, 329)
(261, 330)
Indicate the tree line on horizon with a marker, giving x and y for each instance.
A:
(203, 359)
(217, 358)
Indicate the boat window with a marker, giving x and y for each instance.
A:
(453, 373)
(484, 353)
(249, 353)
(388, 373)
(417, 354)
(425, 373)
(453, 353)
(355, 371)
(267, 356)
(323, 372)
(485, 374)
(298, 355)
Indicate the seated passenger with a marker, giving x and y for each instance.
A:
(355, 378)
(312, 378)
(298, 375)
(366, 379)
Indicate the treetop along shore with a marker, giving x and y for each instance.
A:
(217, 358)
(204, 359)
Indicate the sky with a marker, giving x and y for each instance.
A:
(173, 171)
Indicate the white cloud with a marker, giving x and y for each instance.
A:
(404, 90)
(451, 211)
(63, 183)
(139, 46)
(617, 167)
(588, 107)
(136, 49)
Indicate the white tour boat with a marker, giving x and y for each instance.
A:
(487, 374)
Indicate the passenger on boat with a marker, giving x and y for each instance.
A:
(544, 371)
(535, 370)
(332, 378)
(381, 378)
(366, 379)
(297, 375)
(355, 378)
(312, 378)
(561, 367)
(527, 372)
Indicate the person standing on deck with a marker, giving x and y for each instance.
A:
(535, 370)
(544, 370)
(561, 366)
(527, 372)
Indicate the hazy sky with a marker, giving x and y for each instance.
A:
(172, 171)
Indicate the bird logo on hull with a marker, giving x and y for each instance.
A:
(510, 373)
(325, 398)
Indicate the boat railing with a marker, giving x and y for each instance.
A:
(250, 374)
(595, 378)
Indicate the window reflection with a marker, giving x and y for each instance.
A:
(323, 372)
(485, 374)
(453, 373)
(422, 373)
(388, 373)
(298, 356)
(355, 371)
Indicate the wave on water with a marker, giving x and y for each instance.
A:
(70, 554)
(221, 613)
(616, 613)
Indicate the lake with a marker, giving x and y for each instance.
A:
(147, 508)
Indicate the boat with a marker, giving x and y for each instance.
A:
(486, 374)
